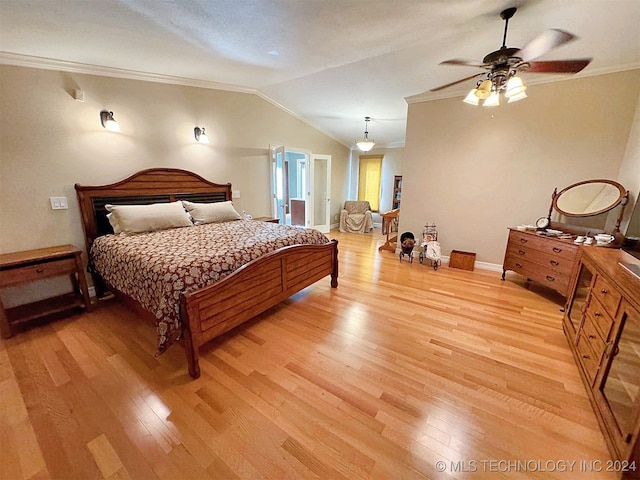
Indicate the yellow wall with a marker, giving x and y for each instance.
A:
(476, 171)
(49, 142)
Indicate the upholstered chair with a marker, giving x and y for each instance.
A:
(356, 217)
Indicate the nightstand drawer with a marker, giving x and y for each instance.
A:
(29, 273)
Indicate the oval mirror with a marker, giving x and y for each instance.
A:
(587, 198)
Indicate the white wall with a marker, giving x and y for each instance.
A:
(49, 142)
(476, 171)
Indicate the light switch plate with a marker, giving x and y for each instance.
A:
(58, 203)
(235, 194)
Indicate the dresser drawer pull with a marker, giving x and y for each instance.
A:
(521, 252)
(39, 270)
(519, 265)
(604, 291)
(524, 240)
(591, 337)
(586, 357)
(597, 314)
(550, 278)
(554, 263)
(557, 250)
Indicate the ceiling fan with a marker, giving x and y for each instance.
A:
(505, 63)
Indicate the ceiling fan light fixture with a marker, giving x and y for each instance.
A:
(365, 144)
(493, 100)
(515, 86)
(484, 90)
(472, 98)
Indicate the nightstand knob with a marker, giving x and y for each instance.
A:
(39, 270)
(604, 291)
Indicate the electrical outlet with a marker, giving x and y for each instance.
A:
(58, 203)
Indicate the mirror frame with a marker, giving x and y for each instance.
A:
(621, 198)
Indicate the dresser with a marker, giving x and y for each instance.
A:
(602, 326)
(33, 265)
(547, 260)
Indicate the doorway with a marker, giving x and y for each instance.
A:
(301, 186)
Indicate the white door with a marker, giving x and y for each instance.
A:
(319, 204)
(278, 206)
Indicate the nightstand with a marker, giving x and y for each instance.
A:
(267, 219)
(32, 265)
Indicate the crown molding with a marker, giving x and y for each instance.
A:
(19, 60)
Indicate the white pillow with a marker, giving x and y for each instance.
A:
(211, 212)
(148, 218)
(114, 223)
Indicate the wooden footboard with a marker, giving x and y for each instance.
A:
(250, 290)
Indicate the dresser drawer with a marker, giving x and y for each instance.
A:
(587, 358)
(599, 318)
(608, 296)
(547, 260)
(593, 337)
(29, 273)
(548, 245)
(559, 281)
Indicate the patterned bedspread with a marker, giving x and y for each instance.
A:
(154, 268)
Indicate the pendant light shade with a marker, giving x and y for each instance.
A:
(515, 86)
(365, 144)
(484, 90)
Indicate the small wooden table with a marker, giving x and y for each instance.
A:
(32, 265)
(387, 221)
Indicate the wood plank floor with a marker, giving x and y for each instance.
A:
(399, 368)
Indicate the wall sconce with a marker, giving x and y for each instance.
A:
(200, 135)
(108, 122)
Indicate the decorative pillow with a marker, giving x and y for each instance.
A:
(211, 212)
(148, 218)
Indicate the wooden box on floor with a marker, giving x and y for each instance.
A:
(462, 260)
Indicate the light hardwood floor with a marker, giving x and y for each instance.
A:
(399, 368)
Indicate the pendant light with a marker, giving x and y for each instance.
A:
(365, 144)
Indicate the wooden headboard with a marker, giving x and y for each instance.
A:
(154, 185)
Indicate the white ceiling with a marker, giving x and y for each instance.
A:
(337, 61)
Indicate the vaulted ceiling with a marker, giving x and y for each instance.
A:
(329, 62)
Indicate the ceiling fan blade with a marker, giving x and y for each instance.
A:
(559, 66)
(463, 62)
(543, 43)
(456, 82)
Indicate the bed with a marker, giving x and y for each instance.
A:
(205, 308)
